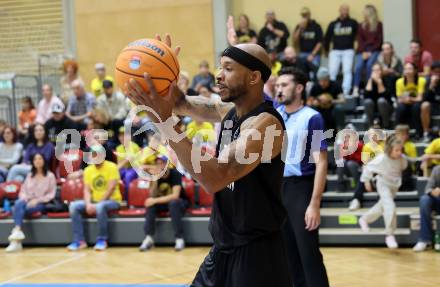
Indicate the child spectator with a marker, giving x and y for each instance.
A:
(351, 163)
(409, 92)
(386, 169)
(44, 111)
(370, 37)
(166, 194)
(431, 156)
(429, 203)
(126, 154)
(371, 148)
(101, 195)
(10, 152)
(26, 117)
(96, 85)
(39, 144)
(377, 97)
(38, 189)
(70, 69)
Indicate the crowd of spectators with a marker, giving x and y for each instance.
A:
(371, 71)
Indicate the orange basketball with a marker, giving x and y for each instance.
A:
(151, 56)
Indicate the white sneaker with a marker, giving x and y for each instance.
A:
(147, 244)
(421, 246)
(391, 242)
(180, 244)
(16, 234)
(14, 246)
(354, 205)
(364, 225)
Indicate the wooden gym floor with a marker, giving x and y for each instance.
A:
(347, 267)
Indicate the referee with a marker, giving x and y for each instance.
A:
(304, 180)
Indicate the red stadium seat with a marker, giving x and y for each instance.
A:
(71, 157)
(200, 204)
(188, 186)
(201, 211)
(35, 215)
(205, 198)
(138, 192)
(122, 189)
(4, 215)
(71, 190)
(10, 189)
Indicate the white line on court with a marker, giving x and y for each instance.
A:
(43, 269)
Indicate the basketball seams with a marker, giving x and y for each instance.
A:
(153, 78)
(157, 58)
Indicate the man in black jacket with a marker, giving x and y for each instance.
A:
(273, 36)
(341, 33)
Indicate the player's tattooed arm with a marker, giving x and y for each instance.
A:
(260, 140)
(202, 108)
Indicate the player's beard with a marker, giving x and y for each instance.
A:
(286, 100)
(232, 94)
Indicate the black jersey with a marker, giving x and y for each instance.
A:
(250, 207)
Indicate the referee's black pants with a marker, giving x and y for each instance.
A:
(305, 260)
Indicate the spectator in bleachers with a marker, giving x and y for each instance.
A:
(39, 144)
(166, 194)
(370, 37)
(3, 125)
(154, 149)
(342, 34)
(38, 189)
(126, 154)
(377, 97)
(422, 59)
(352, 163)
(80, 104)
(410, 151)
(26, 117)
(308, 35)
(386, 169)
(273, 36)
(432, 94)
(101, 195)
(429, 203)
(70, 69)
(373, 146)
(96, 84)
(201, 132)
(10, 151)
(392, 67)
(111, 101)
(58, 122)
(184, 84)
(290, 59)
(44, 111)
(244, 33)
(204, 77)
(431, 157)
(326, 96)
(409, 91)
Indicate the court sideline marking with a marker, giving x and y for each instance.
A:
(51, 266)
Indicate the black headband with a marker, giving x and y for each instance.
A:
(247, 60)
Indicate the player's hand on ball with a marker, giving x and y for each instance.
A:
(167, 42)
(162, 105)
(312, 217)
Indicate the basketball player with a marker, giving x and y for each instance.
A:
(304, 181)
(247, 214)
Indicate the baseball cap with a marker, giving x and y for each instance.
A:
(305, 11)
(107, 84)
(99, 66)
(57, 108)
(322, 73)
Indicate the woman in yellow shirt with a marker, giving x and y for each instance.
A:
(409, 92)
